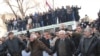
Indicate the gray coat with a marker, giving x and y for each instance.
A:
(93, 49)
(70, 47)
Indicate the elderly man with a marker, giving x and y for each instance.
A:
(37, 47)
(89, 44)
(64, 46)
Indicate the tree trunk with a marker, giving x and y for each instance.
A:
(8, 3)
(13, 11)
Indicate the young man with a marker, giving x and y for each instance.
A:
(13, 44)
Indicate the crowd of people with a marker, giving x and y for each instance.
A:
(83, 41)
(58, 15)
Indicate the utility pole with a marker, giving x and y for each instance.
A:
(53, 5)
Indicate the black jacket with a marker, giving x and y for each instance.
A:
(70, 47)
(76, 38)
(28, 34)
(46, 42)
(13, 46)
(93, 48)
(3, 52)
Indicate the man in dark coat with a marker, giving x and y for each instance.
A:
(76, 36)
(46, 39)
(4, 51)
(41, 22)
(20, 24)
(64, 46)
(37, 47)
(63, 15)
(45, 19)
(89, 45)
(96, 32)
(76, 13)
(13, 44)
(49, 18)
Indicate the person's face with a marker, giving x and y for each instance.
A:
(47, 35)
(0, 42)
(61, 35)
(62, 26)
(3, 39)
(78, 29)
(38, 35)
(87, 34)
(31, 39)
(11, 36)
(94, 30)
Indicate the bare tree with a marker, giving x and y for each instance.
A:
(8, 3)
(20, 6)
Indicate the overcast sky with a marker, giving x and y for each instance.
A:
(89, 7)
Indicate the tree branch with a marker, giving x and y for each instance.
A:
(15, 6)
(8, 3)
(31, 7)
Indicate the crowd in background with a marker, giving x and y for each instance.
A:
(58, 15)
(62, 42)
(86, 21)
(83, 41)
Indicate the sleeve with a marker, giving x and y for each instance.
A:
(55, 46)
(29, 47)
(2, 50)
(43, 47)
(72, 45)
(78, 50)
(21, 42)
(3, 47)
(98, 47)
(1, 53)
(28, 34)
